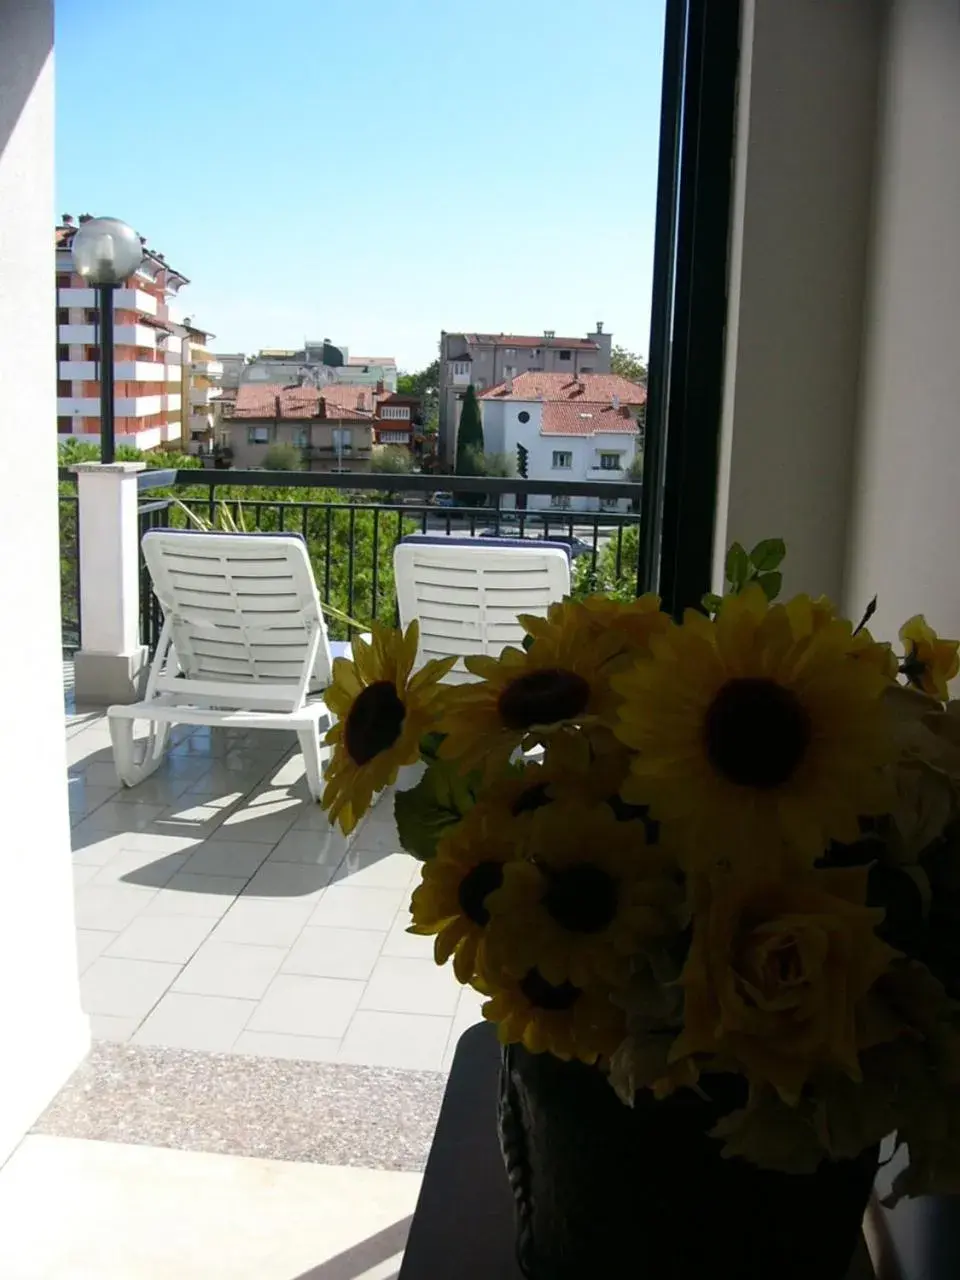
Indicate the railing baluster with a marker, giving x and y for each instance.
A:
(376, 564)
(326, 566)
(280, 516)
(351, 536)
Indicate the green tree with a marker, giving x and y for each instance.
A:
(424, 384)
(628, 365)
(470, 434)
(391, 459)
(616, 571)
(282, 457)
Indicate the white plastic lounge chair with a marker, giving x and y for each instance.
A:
(466, 593)
(243, 646)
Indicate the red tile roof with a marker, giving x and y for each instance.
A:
(595, 387)
(336, 403)
(585, 419)
(521, 340)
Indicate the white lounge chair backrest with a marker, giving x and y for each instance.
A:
(242, 614)
(466, 593)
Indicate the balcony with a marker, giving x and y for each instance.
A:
(212, 369)
(201, 396)
(123, 300)
(223, 847)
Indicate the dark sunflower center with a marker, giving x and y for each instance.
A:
(474, 887)
(374, 722)
(582, 898)
(533, 798)
(543, 697)
(756, 733)
(544, 995)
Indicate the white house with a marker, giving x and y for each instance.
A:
(574, 428)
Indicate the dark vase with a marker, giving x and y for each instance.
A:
(604, 1190)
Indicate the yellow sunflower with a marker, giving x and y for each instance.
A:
(589, 894)
(633, 622)
(754, 731)
(929, 663)
(450, 900)
(382, 713)
(526, 695)
(558, 1018)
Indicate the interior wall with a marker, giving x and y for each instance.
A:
(904, 539)
(803, 185)
(44, 1032)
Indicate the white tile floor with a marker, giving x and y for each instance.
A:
(216, 909)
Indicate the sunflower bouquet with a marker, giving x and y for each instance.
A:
(725, 844)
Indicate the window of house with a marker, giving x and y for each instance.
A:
(562, 459)
(63, 315)
(461, 368)
(342, 438)
(395, 412)
(63, 279)
(394, 437)
(91, 315)
(302, 438)
(523, 416)
(561, 501)
(565, 355)
(586, 369)
(258, 435)
(63, 351)
(64, 425)
(535, 368)
(509, 351)
(64, 387)
(610, 461)
(609, 504)
(93, 351)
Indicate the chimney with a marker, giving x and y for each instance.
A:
(616, 403)
(86, 217)
(361, 400)
(549, 334)
(67, 219)
(508, 386)
(380, 387)
(599, 326)
(277, 409)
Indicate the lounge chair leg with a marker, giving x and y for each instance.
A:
(134, 760)
(312, 759)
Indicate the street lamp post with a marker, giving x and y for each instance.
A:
(105, 253)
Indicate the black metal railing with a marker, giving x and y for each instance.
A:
(70, 620)
(351, 536)
(352, 522)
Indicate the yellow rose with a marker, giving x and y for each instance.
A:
(929, 662)
(775, 973)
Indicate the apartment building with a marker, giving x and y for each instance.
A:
(201, 389)
(319, 363)
(574, 427)
(332, 428)
(397, 418)
(488, 359)
(148, 350)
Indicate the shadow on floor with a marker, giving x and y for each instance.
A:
(361, 1258)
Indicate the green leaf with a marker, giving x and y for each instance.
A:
(438, 801)
(737, 567)
(710, 602)
(768, 554)
(771, 584)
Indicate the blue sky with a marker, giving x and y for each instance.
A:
(377, 170)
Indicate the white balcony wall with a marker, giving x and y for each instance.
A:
(123, 299)
(138, 406)
(135, 335)
(44, 1032)
(77, 406)
(84, 333)
(174, 403)
(83, 370)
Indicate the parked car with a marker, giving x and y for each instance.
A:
(442, 499)
(577, 545)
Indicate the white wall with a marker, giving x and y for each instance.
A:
(44, 1033)
(905, 525)
(803, 180)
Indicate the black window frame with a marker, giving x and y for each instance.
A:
(689, 304)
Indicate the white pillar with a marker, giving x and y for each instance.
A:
(111, 664)
(44, 1032)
